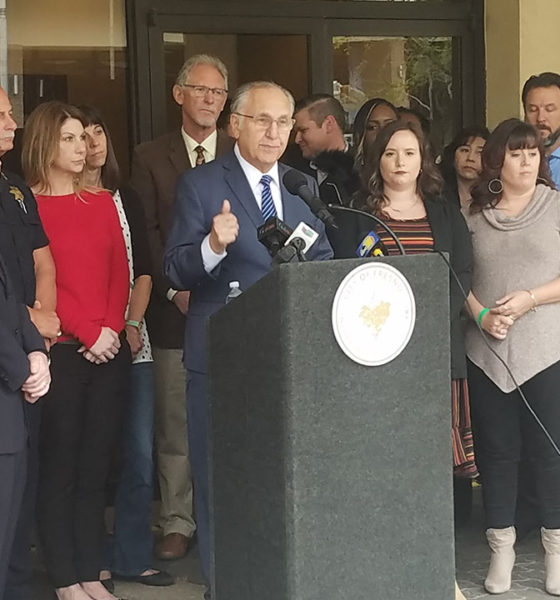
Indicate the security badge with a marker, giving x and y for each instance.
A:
(18, 195)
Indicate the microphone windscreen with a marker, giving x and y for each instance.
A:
(294, 180)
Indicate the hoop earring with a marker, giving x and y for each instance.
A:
(495, 186)
(542, 180)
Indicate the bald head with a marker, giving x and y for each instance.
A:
(7, 124)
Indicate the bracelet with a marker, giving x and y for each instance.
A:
(481, 315)
(534, 307)
(133, 323)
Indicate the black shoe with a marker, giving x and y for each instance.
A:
(109, 585)
(160, 579)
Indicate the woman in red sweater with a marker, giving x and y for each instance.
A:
(82, 414)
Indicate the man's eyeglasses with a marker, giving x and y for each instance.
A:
(265, 122)
(200, 91)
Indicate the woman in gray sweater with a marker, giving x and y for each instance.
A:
(514, 220)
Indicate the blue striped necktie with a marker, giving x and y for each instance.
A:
(267, 205)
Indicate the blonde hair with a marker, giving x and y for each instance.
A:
(41, 138)
(201, 59)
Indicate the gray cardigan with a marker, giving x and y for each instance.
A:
(517, 253)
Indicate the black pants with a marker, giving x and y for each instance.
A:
(502, 427)
(81, 424)
(19, 578)
(12, 476)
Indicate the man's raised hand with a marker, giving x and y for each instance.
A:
(225, 229)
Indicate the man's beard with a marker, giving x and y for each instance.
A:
(551, 139)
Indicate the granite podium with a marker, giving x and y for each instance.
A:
(330, 480)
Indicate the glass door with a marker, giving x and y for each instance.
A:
(425, 55)
(248, 56)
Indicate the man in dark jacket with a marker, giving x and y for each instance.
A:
(323, 152)
(24, 376)
(201, 91)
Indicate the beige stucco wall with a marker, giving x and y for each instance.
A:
(522, 39)
(59, 23)
(540, 37)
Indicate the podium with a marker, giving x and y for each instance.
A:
(330, 480)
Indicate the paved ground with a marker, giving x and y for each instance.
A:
(472, 557)
(472, 562)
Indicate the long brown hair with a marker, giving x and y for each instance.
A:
(110, 172)
(429, 182)
(511, 134)
(41, 139)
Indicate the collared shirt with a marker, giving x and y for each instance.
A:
(209, 145)
(21, 233)
(554, 164)
(210, 258)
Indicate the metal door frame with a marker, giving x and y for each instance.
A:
(320, 20)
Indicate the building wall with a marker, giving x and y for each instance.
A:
(521, 40)
(66, 23)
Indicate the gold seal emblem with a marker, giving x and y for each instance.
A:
(373, 313)
(376, 316)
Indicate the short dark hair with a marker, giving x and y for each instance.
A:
(320, 106)
(429, 182)
(547, 79)
(511, 134)
(447, 166)
(425, 123)
(110, 172)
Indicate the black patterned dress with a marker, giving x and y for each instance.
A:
(416, 237)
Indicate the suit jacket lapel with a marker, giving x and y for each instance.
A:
(236, 180)
(223, 144)
(178, 153)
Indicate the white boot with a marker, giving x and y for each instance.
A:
(502, 559)
(551, 544)
(458, 593)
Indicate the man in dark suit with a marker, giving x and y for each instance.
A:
(213, 241)
(28, 261)
(201, 91)
(24, 374)
(323, 152)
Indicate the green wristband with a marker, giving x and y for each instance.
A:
(481, 315)
(133, 323)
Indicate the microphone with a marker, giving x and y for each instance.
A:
(273, 234)
(296, 184)
(371, 245)
(302, 238)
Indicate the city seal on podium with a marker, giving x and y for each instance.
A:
(373, 314)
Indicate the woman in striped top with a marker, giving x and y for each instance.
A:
(404, 190)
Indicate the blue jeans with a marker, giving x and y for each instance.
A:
(129, 551)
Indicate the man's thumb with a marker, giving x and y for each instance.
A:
(226, 207)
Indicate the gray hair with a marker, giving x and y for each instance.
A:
(201, 59)
(241, 94)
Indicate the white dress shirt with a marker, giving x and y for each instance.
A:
(210, 258)
(209, 145)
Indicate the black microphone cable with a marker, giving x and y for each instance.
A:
(391, 233)
(483, 334)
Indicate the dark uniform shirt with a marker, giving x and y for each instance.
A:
(21, 233)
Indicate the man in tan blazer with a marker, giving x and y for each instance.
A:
(201, 91)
